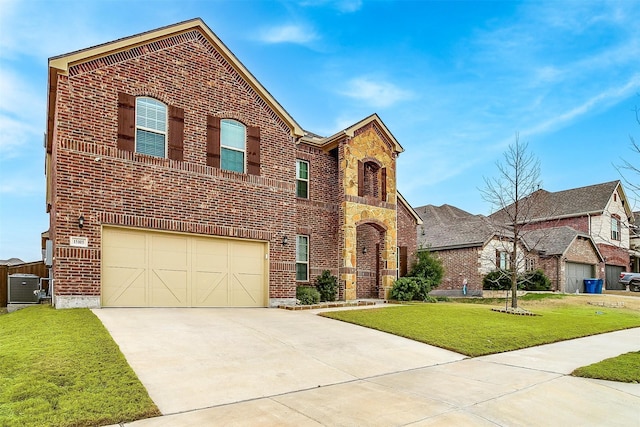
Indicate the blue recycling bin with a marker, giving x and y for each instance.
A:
(590, 286)
(599, 283)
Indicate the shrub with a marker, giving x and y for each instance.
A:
(307, 295)
(411, 289)
(531, 281)
(498, 280)
(536, 281)
(327, 285)
(427, 266)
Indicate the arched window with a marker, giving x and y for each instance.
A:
(372, 180)
(151, 127)
(233, 145)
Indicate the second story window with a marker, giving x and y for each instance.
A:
(151, 127)
(302, 179)
(615, 228)
(233, 137)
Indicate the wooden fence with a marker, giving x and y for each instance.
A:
(38, 268)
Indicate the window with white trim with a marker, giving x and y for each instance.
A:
(615, 228)
(233, 145)
(503, 260)
(302, 179)
(151, 127)
(302, 258)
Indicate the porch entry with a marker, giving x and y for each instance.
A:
(370, 242)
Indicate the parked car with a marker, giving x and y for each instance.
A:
(630, 279)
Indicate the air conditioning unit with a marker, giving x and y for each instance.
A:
(23, 289)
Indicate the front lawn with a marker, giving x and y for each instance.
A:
(624, 368)
(61, 367)
(475, 330)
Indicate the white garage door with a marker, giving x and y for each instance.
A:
(142, 268)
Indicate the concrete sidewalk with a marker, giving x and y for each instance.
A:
(276, 367)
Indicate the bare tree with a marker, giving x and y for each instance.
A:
(631, 171)
(512, 195)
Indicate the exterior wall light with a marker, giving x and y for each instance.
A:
(285, 240)
(364, 250)
(80, 221)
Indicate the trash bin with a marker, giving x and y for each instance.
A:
(590, 286)
(599, 283)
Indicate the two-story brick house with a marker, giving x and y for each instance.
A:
(600, 211)
(175, 179)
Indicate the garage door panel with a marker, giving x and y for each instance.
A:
(247, 290)
(127, 286)
(179, 270)
(575, 275)
(211, 289)
(169, 288)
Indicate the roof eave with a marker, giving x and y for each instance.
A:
(61, 64)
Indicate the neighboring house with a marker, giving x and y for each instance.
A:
(634, 243)
(470, 246)
(566, 256)
(11, 261)
(600, 211)
(175, 179)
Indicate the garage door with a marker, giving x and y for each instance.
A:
(153, 269)
(612, 274)
(575, 274)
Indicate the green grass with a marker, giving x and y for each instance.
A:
(624, 368)
(475, 330)
(501, 301)
(61, 367)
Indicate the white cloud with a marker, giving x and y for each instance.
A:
(375, 93)
(344, 6)
(289, 33)
(21, 115)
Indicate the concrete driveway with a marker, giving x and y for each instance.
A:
(277, 367)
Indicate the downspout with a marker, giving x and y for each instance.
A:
(589, 224)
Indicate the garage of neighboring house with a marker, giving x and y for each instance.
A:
(612, 275)
(146, 268)
(575, 274)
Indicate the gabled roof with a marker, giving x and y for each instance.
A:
(330, 142)
(555, 241)
(589, 200)
(61, 64)
(442, 214)
(447, 227)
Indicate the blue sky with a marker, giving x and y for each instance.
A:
(453, 81)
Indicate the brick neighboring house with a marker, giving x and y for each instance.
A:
(600, 211)
(634, 243)
(470, 246)
(175, 179)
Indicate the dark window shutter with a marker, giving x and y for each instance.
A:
(383, 184)
(253, 150)
(403, 261)
(360, 178)
(126, 122)
(213, 141)
(497, 259)
(176, 133)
